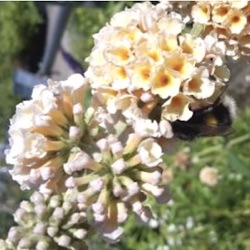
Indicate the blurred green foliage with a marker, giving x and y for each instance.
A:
(18, 21)
(10, 197)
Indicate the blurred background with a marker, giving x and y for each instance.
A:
(209, 179)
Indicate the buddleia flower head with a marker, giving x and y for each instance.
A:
(148, 65)
(45, 129)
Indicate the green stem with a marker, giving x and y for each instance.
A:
(209, 150)
(238, 140)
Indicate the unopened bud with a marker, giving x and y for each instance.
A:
(39, 228)
(52, 231)
(42, 245)
(74, 133)
(64, 241)
(80, 234)
(24, 243)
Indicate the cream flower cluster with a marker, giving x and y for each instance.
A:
(145, 65)
(48, 222)
(45, 129)
(209, 176)
(117, 180)
(230, 20)
(56, 145)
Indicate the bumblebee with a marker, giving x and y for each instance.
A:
(212, 120)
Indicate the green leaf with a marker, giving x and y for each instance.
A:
(237, 165)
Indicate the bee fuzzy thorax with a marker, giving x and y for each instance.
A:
(214, 120)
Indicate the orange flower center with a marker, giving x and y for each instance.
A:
(164, 80)
(123, 54)
(204, 9)
(222, 11)
(122, 73)
(177, 101)
(193, 84)
(145, 73)
(178, 66)
(235, 19)
(154, 56)
(186, 48)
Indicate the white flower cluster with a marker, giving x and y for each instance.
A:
(228, 20)
(44, 130)
(145, 65)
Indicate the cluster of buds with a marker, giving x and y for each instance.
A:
(118, 179)
(146, 65)
(48, 222)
